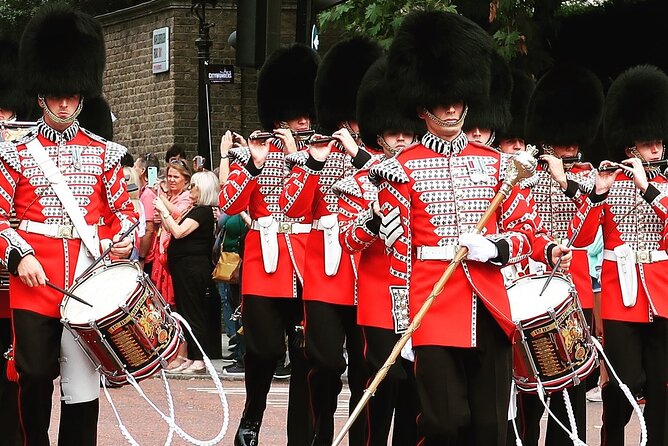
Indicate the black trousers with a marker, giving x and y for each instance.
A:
(638, 352)
(530, 410)
(396, 395)
(464, 392)
(191, 277)
(266, 322)
(37, 348)
(10, 431)
(328, 326)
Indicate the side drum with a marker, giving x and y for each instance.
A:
(129, 329)
(552, 346)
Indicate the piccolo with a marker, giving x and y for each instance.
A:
(299, 134)
(17, 124)
(568, 160)
(614, 166)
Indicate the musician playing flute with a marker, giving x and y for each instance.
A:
(432, 195)
(275, 245)
(61, 62)
(564, 114)
(330, 275)
(631, 205)
(385, 130)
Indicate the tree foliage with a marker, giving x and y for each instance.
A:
(520, 28)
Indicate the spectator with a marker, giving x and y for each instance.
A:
(189, 260)
(146, 196)
(132, 181)
(175, 152)
(173, 193)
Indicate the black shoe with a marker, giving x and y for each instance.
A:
(283, 371)
(231, 357)
(236, 369)
(234, 340)
(247, 433)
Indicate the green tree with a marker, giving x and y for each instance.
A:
(520, 28)
(14, 15)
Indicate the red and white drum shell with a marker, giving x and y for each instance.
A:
(129, 329)
(552, 346)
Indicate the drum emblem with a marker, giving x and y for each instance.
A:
(151, 322)
(574, 337)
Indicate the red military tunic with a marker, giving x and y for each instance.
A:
(442, 190)
(309, 192)
(91, 167)
(556, 209)
(639, 221)
(258, 191)
(356, 196)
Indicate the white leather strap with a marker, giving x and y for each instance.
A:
(641, 256)
(62, 190)
(286, 227)
(49, 230)
(436, 252)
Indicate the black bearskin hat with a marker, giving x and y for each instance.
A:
(377, 108)
(523, 87)
(95, 117)
(339, 78)
(565, 108)
(636, 108)
(10, 92)
(62, 53)
(285, 85)
(495, 113)
(439, 58)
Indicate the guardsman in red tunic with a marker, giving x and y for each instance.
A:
(432, 195)
(274, 251)
(11, 107)
(631, 206)
(62, 61)
(385, 130)
(510, 139)
(564, 114)
(330, 275)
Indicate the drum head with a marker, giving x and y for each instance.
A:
(525, 300)
(106, 288)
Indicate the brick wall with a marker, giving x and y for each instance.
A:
(156, 111)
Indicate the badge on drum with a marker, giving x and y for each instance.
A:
(477, 170)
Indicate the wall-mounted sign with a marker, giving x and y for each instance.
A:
(161, 50)
(220, 74)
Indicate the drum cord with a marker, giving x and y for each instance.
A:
(170, 420)
(627, 392)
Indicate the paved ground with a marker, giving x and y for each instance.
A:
(199, 412)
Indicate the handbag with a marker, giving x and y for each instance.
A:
(228, 267)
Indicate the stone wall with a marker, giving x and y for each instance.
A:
(155, 111)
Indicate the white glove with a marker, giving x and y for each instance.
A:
(407, 351)
(390, 227)
(480, 248)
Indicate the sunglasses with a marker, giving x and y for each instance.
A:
(178, 161)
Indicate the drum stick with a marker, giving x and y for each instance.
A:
(107, 251)
(570, 242)
(522, 166)
(67, 293)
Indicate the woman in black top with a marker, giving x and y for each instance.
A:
(189, 260)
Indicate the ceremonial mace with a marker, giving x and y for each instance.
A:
(521, 166)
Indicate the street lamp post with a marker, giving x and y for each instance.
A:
(203, 44)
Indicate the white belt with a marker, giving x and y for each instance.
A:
(318, 226)
(286, 227)
(641, 256)
(49, 230)
(437, 252)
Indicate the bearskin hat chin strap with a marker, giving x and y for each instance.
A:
(69, 120)
(441, 123)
